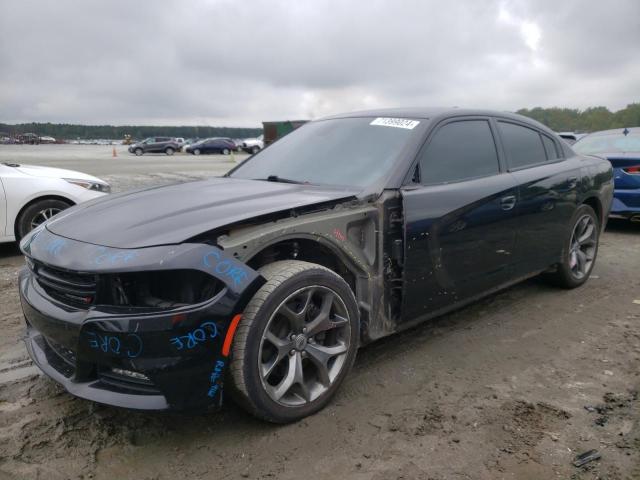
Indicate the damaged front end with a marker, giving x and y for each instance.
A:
(146, 328)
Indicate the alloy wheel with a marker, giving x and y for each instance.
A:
(43, 215)
(304, 346)
(582, 250)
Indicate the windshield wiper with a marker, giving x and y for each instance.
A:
(276, 178)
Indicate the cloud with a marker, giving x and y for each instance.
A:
(238, 63)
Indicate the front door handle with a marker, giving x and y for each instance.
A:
(508, 202)
(572, 182)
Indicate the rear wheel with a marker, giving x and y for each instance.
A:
(38, 213)
(169, 151)
(295, 343)
(580, 250)
(255, 149)
(225, 151)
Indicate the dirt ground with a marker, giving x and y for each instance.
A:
(512, 387)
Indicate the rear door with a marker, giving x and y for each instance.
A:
(460, 216)
(547, 193)
(3, 207)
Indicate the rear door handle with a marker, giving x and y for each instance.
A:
(572, 182)
(508, 202)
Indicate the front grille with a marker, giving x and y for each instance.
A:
(71, 288)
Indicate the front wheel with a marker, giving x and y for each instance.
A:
(255, 149)
(169, 151)
(138, 152)
(295, 343)
(196, 151)
(580, 250)
(37, 213)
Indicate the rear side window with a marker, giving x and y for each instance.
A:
(523, 145)
(550, 148)
(459, 151)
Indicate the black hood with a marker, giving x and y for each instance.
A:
(175, 213)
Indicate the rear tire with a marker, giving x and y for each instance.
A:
(225, 151)
(169, 151)
(579, 251)
(37, 213)
(296, 342)
(255, 150)
(196, 151)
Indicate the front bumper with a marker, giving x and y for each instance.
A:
(168, 359)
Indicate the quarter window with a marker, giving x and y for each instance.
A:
(523, 145)
(550, 147)
(459, 151)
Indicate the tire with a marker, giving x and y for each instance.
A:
(307, 286)
(169, 151)
(225, 151)
(196, 151)
(255, 150)
(569, 273)
(138, 152)
(37, 213)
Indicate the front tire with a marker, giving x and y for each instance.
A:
(38, 213)
(296, 342)
(580, 250)
(138, 152)
(255, 150)
(196, 151)
(169, 151)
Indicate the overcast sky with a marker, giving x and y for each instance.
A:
(238, 62)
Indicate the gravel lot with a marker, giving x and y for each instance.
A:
(497, 390)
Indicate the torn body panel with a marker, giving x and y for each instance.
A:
(354, 239)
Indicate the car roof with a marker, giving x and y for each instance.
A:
(437, 113)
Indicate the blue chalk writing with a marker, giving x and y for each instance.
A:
(215, 377)
(105, 256)
(206, 331)
(130, 345)
(55, 246)
(228, 268)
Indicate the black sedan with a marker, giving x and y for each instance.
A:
(212, 145)
(348, 229)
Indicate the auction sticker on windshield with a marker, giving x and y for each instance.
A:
(395, 122)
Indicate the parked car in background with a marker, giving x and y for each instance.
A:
(212, 145)
(622, 148)
(166, 145)
(190, 141)
(30, 195)
(346, 230)
(253, 145)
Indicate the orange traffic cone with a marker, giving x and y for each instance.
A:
(114, 154)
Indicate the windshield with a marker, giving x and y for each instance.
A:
(342, 151)
(609, 143)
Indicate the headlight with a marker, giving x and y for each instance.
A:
(90, 185)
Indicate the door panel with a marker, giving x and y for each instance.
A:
(3, 210)
(548, 195)
(459, 239)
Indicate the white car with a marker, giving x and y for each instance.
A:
(30, 195)
(253, 145)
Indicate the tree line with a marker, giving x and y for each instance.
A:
(68, 131)
(556, 118)
(590, 120)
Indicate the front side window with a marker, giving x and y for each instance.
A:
(459, 151)
(523, 145)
